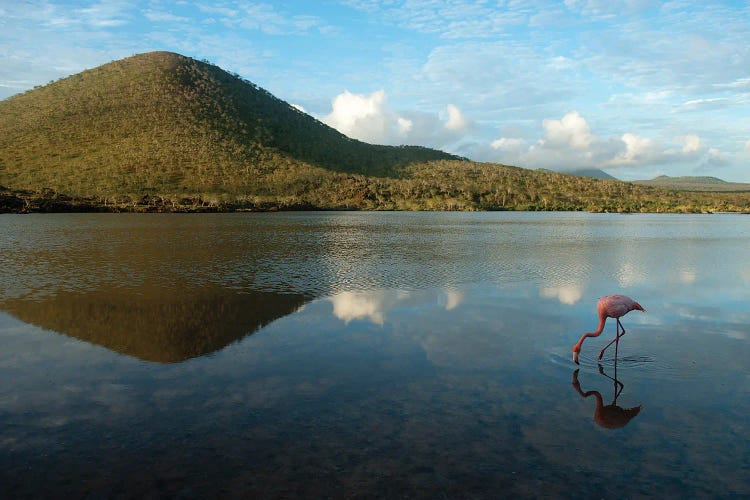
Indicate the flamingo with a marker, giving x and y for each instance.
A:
(609, 306)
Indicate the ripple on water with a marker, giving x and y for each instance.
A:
(641, 365)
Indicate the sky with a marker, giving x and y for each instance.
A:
(637, 88)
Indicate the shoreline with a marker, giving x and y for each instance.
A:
(49, 201)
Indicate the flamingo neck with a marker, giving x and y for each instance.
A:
(596, 333)
(600, 328)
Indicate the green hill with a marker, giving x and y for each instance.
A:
(694, 183)
(164, 123)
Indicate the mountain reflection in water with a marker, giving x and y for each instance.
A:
(154, 324)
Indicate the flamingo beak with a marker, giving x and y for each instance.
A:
(575, 357)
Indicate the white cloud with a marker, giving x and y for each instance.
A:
(712, 160)
(739, 83)
(364, 117)
(692, 144)
(638, 150)
(456, 120)
(747, 147)
(571, 131)
(645, 151)
(705, 104)
(404, 125)
(569, 143)
(508, 144)
(369, 118)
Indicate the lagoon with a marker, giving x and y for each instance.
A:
(360, 354)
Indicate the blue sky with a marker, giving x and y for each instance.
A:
(638, 88)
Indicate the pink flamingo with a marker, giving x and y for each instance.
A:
(609, 306)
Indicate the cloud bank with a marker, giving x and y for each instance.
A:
(369, 118)
(569, 143)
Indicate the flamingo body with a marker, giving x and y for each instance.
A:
(609, 306)
(616, 306)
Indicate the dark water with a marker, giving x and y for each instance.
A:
(372, 355)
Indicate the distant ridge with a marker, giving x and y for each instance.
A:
(594, 173)
(695, 183)
(163, 122)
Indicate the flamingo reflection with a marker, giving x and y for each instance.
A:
(608, 416)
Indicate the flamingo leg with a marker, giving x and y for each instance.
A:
(616, 339)
(619, 386)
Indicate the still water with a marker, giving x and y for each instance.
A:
(372, 355)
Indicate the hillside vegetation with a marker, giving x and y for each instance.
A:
(440, 185)
(163, 132)
(163, 123)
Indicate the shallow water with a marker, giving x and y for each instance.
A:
(372, 354)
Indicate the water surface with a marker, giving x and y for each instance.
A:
(372, 355)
